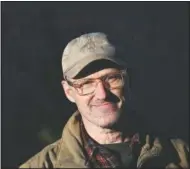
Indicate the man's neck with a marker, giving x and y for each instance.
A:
(104, 135)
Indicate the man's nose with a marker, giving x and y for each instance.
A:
(100, 91)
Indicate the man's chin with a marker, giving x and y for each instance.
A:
(108, 122)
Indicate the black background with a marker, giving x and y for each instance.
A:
(155, 36)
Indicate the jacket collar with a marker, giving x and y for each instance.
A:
(71, 151)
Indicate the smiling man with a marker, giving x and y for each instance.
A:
(102, 132)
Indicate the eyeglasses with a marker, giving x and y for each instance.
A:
(87, 86)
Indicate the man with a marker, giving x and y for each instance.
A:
(102, 133)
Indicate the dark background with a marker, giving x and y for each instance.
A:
(155, 36)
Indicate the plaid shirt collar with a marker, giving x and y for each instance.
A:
(98, 156)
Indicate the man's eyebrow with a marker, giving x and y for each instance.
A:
(80, 81)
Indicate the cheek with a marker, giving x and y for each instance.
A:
(82, 102)
(119, 93)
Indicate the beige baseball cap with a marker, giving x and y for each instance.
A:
(85, 49)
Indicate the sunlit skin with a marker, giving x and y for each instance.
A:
(99, 113)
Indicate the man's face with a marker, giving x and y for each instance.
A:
(104, 106)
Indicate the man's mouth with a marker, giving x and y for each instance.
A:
(103, 104)
(107, 106)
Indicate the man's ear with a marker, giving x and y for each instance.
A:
(68, 91)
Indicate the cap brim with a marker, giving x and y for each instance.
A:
(77, 67)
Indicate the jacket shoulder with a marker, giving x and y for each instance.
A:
(46, 158)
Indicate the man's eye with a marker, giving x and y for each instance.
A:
(113, 77)
(88, 84)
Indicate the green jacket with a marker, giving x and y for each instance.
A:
(67, 151)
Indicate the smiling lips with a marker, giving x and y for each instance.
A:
(105, 105)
